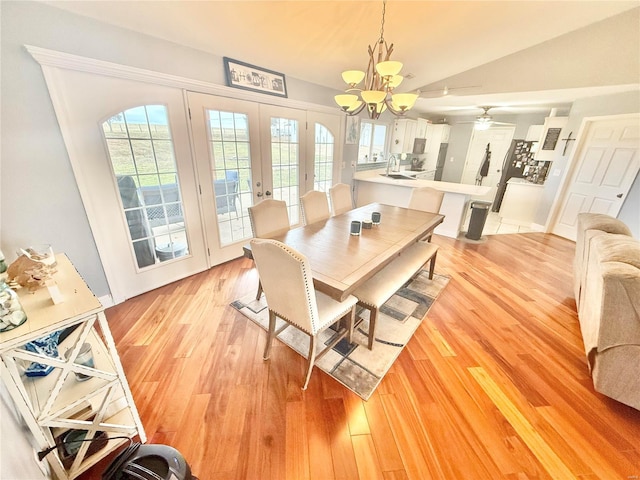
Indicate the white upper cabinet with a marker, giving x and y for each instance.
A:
(421, 128)
(404, 133)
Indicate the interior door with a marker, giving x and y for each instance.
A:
(606, 165)
(129, 147)
(499, 140)
(226, 137)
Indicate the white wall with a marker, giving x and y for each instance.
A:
(40, 202)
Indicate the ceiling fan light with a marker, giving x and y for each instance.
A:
(346, 101)
(352, 77)
(389, 68)
(404, 101)
(482, 125)
(373, 96)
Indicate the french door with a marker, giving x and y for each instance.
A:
(129, 146)
(246, 152)
(167, 195)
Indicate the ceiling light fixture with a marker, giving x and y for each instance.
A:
(381, 77)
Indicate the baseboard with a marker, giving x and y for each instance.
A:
(106, 301)
(536, 227)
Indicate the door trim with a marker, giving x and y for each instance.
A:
(570, 170)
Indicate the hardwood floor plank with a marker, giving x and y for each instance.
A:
(541, 449)
(493, 385)
(366, 458)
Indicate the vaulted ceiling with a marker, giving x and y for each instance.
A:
(516, 55)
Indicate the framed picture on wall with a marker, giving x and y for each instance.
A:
(353, 130)
(256, 79)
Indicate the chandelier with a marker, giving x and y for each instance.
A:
(380, 79)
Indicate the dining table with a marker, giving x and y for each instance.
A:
(340, 262)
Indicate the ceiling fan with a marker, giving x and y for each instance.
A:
(444, 91)
(485, 121)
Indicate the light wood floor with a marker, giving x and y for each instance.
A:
(494, 384)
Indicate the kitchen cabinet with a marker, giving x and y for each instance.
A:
(421, 128)
(403, 135)
(88, 399)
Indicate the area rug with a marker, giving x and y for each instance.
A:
(355, 366)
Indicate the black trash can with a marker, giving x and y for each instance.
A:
(479, 212)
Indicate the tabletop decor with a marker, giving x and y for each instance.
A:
(256, 79)
(355, 366)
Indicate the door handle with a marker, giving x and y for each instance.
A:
(259, 194)
(619, 195)
(267, 193)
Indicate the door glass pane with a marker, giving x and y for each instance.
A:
(143, 160)
(323, 159)
(285, 164)
(231, 174)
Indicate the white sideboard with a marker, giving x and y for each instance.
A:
(73, 396)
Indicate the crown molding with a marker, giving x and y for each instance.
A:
(69, 61)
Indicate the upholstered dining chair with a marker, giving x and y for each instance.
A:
(315, 207)
(288, 288)
(426, 199)
(341, 201)
(269, 218)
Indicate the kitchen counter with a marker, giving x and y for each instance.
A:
(520, 202)
(371, 186)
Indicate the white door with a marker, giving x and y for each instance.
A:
(226, 137)
(499, 140)
(129, 147)
(324, 150)
(606, 165)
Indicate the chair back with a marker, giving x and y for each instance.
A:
(315, 207)
(287, 282)
(269, 218)
(341, 200)
(426, 199)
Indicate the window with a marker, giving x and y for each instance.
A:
(141, 152)
(323, 160)
(373, 140)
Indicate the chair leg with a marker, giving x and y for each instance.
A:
(312, 360)
(373, 316)
(259, 294)
(432, 265)
(270, 335)
(351, 322)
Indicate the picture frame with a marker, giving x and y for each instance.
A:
(353, 130)
(255, 79)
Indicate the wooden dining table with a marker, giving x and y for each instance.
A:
(341, 262)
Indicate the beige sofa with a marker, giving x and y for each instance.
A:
(607, 286)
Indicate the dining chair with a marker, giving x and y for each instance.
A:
(384, 284)
(269, 218)
(287, 280)
(341, 201)
(426, 199)
(315, 207)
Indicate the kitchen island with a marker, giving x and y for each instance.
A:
(372, 186)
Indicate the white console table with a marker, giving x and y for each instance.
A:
(54, 404)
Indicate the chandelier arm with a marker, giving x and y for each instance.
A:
(397, 113)
(356, 111)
